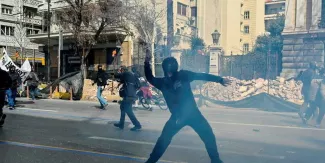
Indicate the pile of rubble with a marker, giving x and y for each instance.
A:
(240, 89)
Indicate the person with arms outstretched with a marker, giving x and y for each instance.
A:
(176, 89)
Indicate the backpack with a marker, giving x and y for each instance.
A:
(129, 89)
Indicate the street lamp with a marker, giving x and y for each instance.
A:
(215, 37)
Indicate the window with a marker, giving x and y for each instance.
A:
(31, 31)
(246, 15)
(7, 30)
(246, 48)
(193, 11)
(246, 29)
(181, 9)
(7, 9)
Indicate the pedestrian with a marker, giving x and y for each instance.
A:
(130, 84)
(319, 102)
(12, 91)
(32, 83)
(5, 84)
(176, 89)
(306, 78)
(101, 80)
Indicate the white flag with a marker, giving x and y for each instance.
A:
(6, 62)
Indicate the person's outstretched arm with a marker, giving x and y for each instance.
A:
(156, 82)
(191, 76)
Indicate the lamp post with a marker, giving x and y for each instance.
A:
(48, 40)
(215, 37)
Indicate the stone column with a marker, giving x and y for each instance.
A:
(290, 20)
(301, 15)
(316, 13)
(215, 53)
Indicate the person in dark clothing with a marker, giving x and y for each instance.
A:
(12, 91)
(130, 84)
(101, 80)
(32, 82)
(176, 89)
(5, 84)
(306, 78)
(319, 102)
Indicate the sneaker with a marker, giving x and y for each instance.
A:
(2, 119)
(105, 107)
(304, 120)
(11, 108)
(136, 128)
(119, 125)
(317, 125)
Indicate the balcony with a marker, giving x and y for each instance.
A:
(270, 2)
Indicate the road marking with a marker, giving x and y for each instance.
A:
(141, 142)
(92, 153)
(37, 109)
(183, 147)
(270, 126)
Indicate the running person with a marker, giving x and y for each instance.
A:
(176, 89)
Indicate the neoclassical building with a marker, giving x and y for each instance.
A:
(304, 35)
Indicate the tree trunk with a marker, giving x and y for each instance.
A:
(152, 47)
(83, 64)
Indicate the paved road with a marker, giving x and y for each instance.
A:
(77, 132)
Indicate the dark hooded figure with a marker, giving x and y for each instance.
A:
(5, 84)
(306, 78)
(130, 84)
(12, 91)
(101, 80)
(176, 89)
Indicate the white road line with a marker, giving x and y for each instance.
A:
(270, 126)
(140, 142)
(183, 147)
(37, 110)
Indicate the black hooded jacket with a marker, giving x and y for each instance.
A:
(177, 91)
(6, 80)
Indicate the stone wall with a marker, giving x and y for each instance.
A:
(299, 50)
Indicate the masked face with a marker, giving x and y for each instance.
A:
(12, 69)
(170, 67)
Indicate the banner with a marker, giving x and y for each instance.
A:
(6, 62)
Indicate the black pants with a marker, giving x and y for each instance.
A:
(313, 106)
(126, 108)
(200, 126)
(2, 100)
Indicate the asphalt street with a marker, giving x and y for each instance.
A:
(55, 131)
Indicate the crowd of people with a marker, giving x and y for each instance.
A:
(10, 84)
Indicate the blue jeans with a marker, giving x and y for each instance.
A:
(11, 94)
(101, 100)
(32, 91)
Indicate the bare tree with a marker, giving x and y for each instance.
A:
(88, 21)
(148, 17)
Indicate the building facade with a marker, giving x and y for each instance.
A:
(239, 23)
(116, 39)
(273, 8)
(19, 19)
(303, 35)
